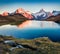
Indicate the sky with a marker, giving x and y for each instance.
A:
(29, 5)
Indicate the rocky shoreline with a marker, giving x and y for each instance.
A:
(43, 45)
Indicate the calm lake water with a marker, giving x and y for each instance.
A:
(32, 29)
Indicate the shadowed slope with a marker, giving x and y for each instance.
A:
(54, 18)
(12, 19)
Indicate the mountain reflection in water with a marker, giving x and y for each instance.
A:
(33, 29)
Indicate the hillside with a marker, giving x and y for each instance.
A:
(41, 45)
(54, 18)
(12, 19)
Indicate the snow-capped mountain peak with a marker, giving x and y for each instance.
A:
(40, 15)
(42, 10)
(20, 10)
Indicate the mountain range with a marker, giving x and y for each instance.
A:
(21, 15)
(42, 14)
(21, 11)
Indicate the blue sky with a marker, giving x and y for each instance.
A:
(31, 5)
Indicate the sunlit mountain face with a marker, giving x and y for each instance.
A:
(21, 11)
(27, 14)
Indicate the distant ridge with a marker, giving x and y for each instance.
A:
(41, 15)
(21, 15)
(21, 11)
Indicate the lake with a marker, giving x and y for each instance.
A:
(32, 29)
